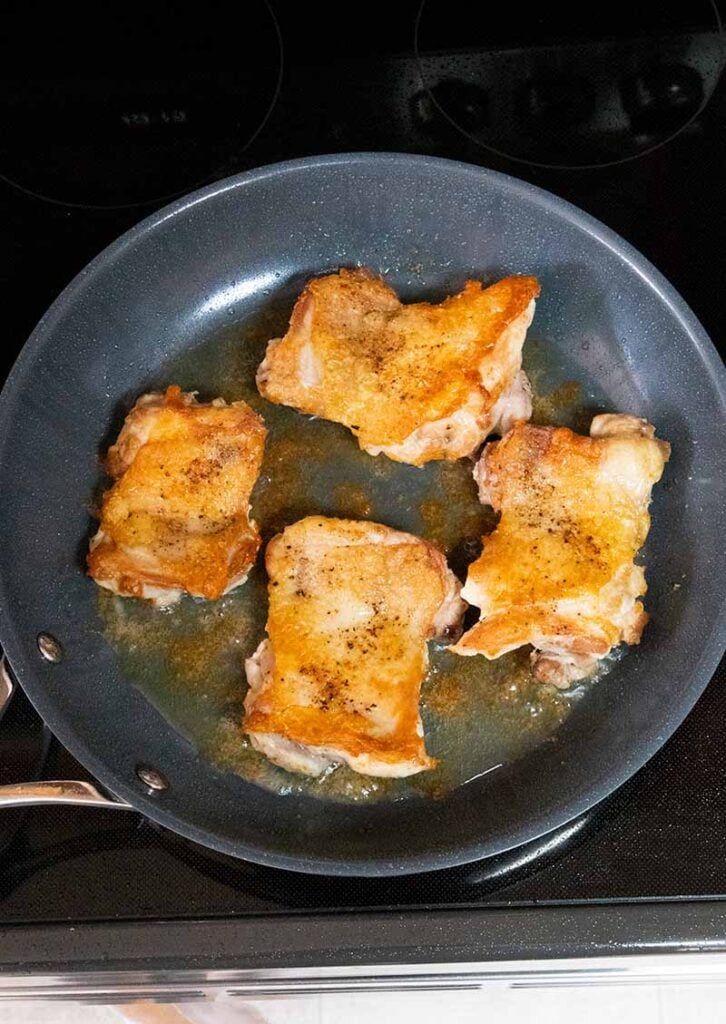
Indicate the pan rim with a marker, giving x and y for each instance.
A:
(678, 709)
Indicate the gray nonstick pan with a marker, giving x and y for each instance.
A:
(189, 296)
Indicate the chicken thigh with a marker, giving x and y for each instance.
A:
(177, 518)
(558, 571)
(415, 382)
(352, 605)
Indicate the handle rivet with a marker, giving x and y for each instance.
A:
(151, 778)
(50, 648)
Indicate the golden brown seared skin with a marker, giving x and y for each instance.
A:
(352, 605)
(177, 518)
(416, 382)
(558, 571)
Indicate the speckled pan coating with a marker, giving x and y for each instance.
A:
(222, 251)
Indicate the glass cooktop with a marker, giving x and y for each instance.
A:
(625, 118)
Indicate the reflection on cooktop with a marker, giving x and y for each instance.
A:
(582, 102)
(24, 745)
(100, 142)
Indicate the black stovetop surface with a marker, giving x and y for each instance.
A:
(95, 142)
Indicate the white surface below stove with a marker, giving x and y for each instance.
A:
(633, 1003)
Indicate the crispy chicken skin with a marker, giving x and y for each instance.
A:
(177, 518)
(415, 382)
(352, 605)
(558, 571)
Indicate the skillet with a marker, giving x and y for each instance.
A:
(224, 253)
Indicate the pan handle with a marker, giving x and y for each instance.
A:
(82, 794)
(6, 684)
(26, 794)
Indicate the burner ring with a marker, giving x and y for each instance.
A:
(124, 143)
(574, 120)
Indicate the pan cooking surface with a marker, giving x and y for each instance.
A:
(188, 660)
(190, 296)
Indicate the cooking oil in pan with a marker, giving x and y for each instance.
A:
(188, 660)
